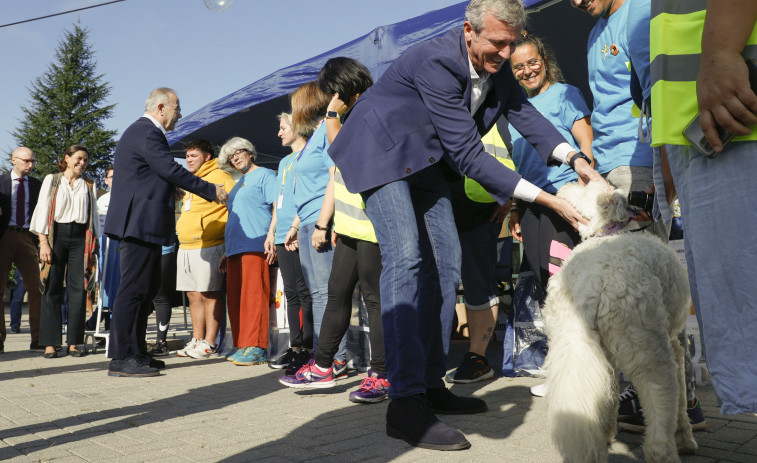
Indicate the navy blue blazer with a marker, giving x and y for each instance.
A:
(5, 198)
(419, 113)
(142, 198)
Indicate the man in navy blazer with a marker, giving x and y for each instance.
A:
(17, 244)
(418, 125)
(141, 216)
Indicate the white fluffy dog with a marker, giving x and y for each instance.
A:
(619, 303)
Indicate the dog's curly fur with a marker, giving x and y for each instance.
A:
(619, 303)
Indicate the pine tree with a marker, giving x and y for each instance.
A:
(67, 107)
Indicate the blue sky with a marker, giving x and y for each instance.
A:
(204, 55)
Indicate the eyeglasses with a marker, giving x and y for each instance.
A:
(236, 153)
(26, 161)
(534, 64)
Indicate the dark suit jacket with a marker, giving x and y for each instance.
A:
(419, 112)
(5, 199)
(142, 198)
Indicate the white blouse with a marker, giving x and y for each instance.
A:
(71, 205)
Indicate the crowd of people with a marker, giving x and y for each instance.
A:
(390, 186)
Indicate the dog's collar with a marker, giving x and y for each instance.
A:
(617, 227)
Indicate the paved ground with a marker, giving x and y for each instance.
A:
(69, 410)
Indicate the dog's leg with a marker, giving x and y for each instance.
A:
(684, 436)
(654, 373)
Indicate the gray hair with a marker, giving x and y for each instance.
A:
(158, 96)
(286, 117)
(510, 12)
(233, 145)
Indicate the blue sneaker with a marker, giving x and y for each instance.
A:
(309, 377)
(251, 356)
(233, 354)
(339, 367)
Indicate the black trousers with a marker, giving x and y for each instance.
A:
(163, 300)
(68, 265)
(353, 260)
(298, 298)
(140, 280)
(541, 225)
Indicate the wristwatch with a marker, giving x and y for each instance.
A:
(332, 115)
(318, 227)
(572, 160)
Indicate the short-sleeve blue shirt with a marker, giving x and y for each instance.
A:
(249, 206)
(285, 214)
(311, 175)
(562, 105)
(616, 139)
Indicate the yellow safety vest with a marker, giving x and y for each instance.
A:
(675, 55)
(494, 145)
(349, 213)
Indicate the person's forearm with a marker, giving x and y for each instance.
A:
(727, 26)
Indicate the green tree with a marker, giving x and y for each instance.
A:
(67, 107)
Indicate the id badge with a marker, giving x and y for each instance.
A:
(280, 202)
(188, 202)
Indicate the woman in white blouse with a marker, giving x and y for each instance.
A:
(66, 221)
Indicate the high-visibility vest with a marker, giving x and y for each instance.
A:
(675, 54)
(349, 213)
(494, 145)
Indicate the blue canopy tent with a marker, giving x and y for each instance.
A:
(251, 111)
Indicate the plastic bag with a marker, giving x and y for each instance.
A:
(525, 343)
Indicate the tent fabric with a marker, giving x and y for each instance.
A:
(251, 111)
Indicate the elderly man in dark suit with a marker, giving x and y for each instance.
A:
(18, 198)
(418, 125)
(141, 216)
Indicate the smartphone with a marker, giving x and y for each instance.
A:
(693, 131)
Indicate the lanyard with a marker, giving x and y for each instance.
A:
(288, 168)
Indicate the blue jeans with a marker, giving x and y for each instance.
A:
(316, 268)
(719, 216)
(420, 254)
(17, 299)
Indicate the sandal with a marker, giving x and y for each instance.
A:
(50, 355)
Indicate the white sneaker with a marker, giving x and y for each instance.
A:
(201, 350)
(188, 346)
(539, 390)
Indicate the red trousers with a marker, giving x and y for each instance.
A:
(248, 298)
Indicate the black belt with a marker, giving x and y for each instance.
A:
(17, 229)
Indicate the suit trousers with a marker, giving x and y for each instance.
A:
(140, 280)
(68, 264)
(19, 247)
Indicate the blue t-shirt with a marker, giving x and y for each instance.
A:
(639, 16)
(285, 214)
(249, 206)
(616, 139)
(562, 105)
(311, 175)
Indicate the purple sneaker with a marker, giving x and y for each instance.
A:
(309, 377)
(373, 389)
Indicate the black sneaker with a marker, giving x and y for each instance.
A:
(282, 360)
(159, 349)
(131, 367)
(473, 368)
(298, 362)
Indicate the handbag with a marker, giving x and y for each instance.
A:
(525, 341)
